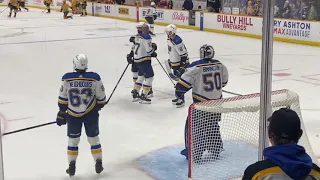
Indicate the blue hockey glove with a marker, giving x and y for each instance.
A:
(61, 118)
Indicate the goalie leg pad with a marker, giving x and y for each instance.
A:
(73, 149)
(96, 149)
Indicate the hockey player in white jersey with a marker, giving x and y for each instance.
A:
(144, 50)
(130, 59)
(151, 16)
(206, 77)
(81, 96)
(178, 54)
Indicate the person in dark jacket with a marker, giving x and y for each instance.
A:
(187, 5)
(285, 159)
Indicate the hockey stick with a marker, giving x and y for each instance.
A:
(165, 71)
(117, 83)
(232, 93)
(28, 128)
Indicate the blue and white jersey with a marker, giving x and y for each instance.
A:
(143, 48)
(176, 50)
(206, 77)
(80, 92)
(151, 12)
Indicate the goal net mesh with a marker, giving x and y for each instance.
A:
(223, 135)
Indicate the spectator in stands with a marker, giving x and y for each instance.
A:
(170, 4)
(214, 5)
(286, 11)
(187, 5)
(250, 10)
(258, 8)
(285, 159)
(312, 13)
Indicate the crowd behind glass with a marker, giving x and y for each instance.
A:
(289, 9)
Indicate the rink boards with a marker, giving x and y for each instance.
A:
(285, 30)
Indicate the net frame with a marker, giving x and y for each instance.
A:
(208, 106)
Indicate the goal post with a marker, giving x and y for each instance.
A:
(223, 135)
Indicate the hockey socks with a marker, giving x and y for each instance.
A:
(73, 149)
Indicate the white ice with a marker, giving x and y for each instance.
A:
(36, 49)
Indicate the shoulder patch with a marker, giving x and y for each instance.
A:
(145, 36)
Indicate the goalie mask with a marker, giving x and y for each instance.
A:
(206, 52)
(171, 31)
(80, 62)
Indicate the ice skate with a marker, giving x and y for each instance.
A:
(178, 102)
(135, 95)
(150, 94)
(144, 99)
(72, 169)
(99, 167)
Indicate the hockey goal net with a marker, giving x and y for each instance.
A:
(223, 136)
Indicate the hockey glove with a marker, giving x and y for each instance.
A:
(132, 39)
(154, 54)
(9, 5)
(61, 118)
(130, 57)
(60, 10)
(154, 46)
(154, 17)
(99, 106)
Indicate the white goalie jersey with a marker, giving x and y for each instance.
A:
(206, 77)
(80, 92)
(176, 50)
(142, 48)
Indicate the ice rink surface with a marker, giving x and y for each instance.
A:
(36, 49)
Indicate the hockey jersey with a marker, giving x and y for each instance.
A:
(176, 50)
(80, 92)
(151, 12)
(206, 78)
(142, 48)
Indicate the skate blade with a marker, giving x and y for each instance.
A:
(180, 106)
(135, 99)
(145, 102)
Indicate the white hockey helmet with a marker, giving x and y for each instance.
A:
(153, 4)
(80, 62)
(206, 52)
(140, 24)
(170, 30)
